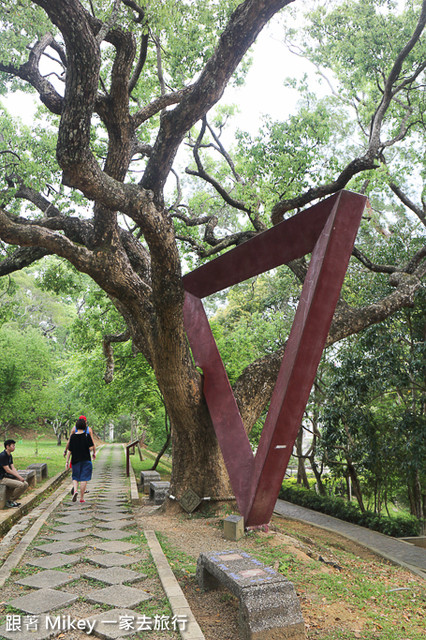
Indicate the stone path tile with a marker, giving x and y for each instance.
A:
(115, 546)
(111, 624)
(54, 561)
(116, 524)
(71, 528)
(59, 547)
(113, 559)
(118, 595)
(111, 518)
(114, 575)
(67, 537)
(111, 535)
(48, 579)
(77, 519)
(78, 507)
(43, 600)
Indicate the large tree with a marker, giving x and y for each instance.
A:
(124, 84)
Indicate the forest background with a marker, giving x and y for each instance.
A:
(363, 434)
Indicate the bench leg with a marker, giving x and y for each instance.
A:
(271, 613)
(205, 580)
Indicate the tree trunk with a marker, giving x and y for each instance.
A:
(317, 474)
(197, 460)
(355, 484)
(415, 496)
(302, 478)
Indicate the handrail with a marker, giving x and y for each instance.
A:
(128, 446)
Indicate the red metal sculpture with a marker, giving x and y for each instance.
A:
(326, 230)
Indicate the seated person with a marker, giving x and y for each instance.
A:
(9, 476)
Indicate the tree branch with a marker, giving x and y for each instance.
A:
(109, 352)
(375, 146)
(31, 74)
(241, 31)
(420, 212)
(201, 173)
(390, 90)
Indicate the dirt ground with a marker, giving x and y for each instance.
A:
(309, 557)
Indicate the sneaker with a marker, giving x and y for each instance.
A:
(82, 500)
(74, 497)
(72, 491)
(11, 503)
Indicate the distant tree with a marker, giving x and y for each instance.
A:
(374, 412)
(26, 363)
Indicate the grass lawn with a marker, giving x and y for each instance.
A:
(164, 467)
(40, 450)
(30, 451)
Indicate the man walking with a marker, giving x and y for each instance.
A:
(9, 476)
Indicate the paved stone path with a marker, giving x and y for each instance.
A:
(94, 537)
(402, 553)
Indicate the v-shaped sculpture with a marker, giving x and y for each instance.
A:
(326, 230)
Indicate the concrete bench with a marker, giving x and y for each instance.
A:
(147, 477)
(29, 475)
(269, 607)
(158, 491)
(40, 469)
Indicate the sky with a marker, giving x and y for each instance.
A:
(264, 91)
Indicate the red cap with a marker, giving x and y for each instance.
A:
(82, 418)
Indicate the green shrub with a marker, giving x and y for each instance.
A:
(397, 526)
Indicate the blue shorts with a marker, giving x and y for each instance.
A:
(82, 471)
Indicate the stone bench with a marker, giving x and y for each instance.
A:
(147, 477)
(2, 496)
(158, 491)
(269, 608)
(40, 469)
(29, 475)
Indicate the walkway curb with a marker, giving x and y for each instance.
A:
(174, 593)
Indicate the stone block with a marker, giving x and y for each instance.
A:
(49, 579)
(233, 527)
(30, 476)
(118, 595)
(158, 491)
(2, 496)
(114, 575)
(269, 607)
(43, 600)
(113, 559)
(147, 477)
(40, 468)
